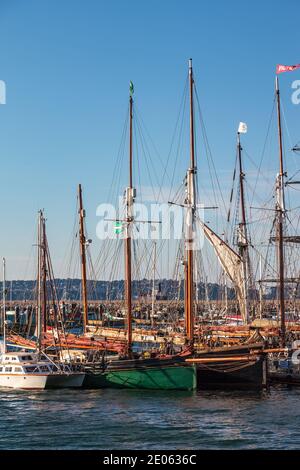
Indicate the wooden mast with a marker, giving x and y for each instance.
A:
(243, 222)
(243, 238)
(82, 242)
(189, 272)
(153, 285)
(44, 274)
(39, 321)
(128, 221)
(42, 281)
(4, 305)
(280, 217)
(260, 287)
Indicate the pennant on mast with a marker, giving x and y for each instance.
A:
(286, 68)
(242, 128)
(131, 88)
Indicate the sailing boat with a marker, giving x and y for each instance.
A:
(236, 265)
(290, 371)
(171, 373)
(36, 370)
(241, 366)
(219, 367)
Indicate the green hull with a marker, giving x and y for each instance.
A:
(161, 377)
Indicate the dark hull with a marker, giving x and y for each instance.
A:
(284, 371)
(243, 375)
(285, 378)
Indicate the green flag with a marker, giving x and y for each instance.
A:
(131, 88)
(118, 227)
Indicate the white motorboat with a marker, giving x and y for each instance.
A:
(22, 370)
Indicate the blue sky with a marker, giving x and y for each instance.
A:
(67, 64)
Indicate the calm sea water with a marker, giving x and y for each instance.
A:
(122, 419)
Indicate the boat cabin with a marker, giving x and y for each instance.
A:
(12, 358)
(28, 363)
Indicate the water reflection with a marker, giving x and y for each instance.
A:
(111, 419)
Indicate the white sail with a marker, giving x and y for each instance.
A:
(232, 264)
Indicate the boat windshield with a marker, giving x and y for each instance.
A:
(26, 358)
(31, 369)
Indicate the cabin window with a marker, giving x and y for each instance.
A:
(26, 358)
(30, 369)
(18, 369)
(1, 369)
(8, 369)
(44, 368)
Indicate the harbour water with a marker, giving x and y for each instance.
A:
(128, 419)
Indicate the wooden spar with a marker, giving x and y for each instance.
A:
(185, 292)
(4, 305)
(275, 350)
(189, 279)
(82, 242)
(260, 287)
(39, 284)
(129, 218)
(243, 242)
(44, 274)
(130, 140)
(225, 284)
(241, 181)
(204, 360)
(280, 216)
(153, 285)
(192, 134)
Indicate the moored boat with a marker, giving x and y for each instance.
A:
(23, 370)
(245, 372)
(127, 372)
(150, 374)
(34, 370)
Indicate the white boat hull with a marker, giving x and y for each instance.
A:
(41, 381)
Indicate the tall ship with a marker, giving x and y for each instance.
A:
(240, 367)
(156, 372)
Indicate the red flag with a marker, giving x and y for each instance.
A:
(286, 68)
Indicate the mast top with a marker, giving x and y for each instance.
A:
(190, 65)
(131, 88)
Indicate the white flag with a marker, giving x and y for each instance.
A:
(242, 128)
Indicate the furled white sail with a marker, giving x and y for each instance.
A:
(232, 264)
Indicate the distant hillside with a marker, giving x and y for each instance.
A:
(165, 289)
(69, 289)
